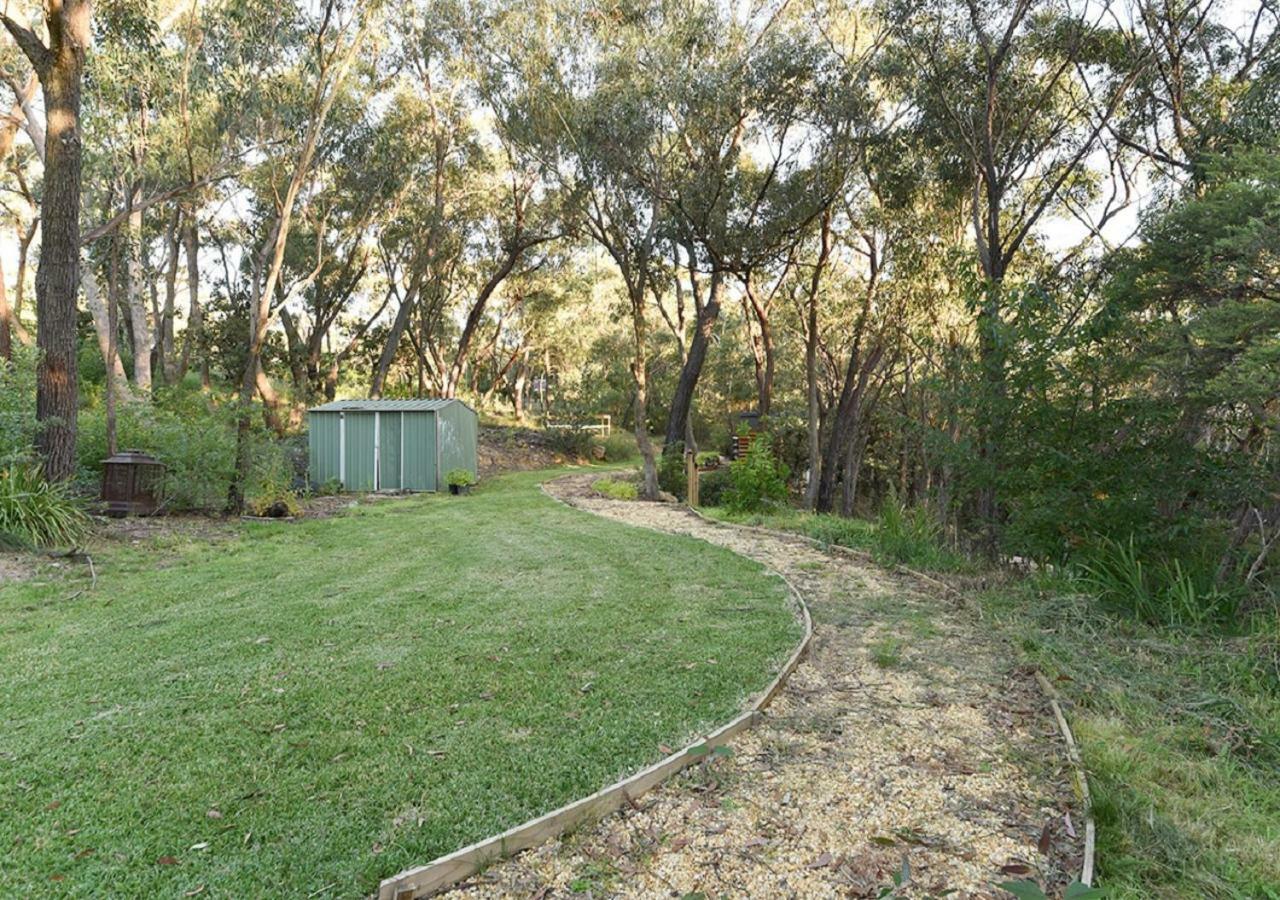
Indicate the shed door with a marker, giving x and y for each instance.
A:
(389, 451)
(419, 451)
(358, 444)
(323, 439)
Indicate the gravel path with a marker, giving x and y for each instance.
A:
(904, 745)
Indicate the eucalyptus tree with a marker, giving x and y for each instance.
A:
(59, 61)
(1016, 97)
(336, 35)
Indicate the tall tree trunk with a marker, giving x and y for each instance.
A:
(691, 371)
(173, 243)
(60, 68)
(392, 346)
(813, 409)
(139, 321)
(639, 374)
(193, 340)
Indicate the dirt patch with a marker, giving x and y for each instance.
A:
(905, 746)
(15, 567)
(503, 449)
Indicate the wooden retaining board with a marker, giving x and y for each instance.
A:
(448, 870)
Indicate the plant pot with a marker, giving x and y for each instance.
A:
(457, 489)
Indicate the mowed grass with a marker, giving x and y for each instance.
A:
(307, 709)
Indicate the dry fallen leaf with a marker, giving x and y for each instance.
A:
(167, 861)
(822, 861)
(213, 814)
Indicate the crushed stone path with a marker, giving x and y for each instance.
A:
(907, 753)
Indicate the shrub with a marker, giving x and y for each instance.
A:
(620, 446)
(615, 490)
(194, 439)
(756, 480)
(36, 512)
(269, 488)
(459, 478)
(712, 486)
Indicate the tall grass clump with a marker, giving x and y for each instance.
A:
(913, 536)
(1166, 593)
(36, 512)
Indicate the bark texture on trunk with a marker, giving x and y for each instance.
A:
(60, 68)
(691, 371)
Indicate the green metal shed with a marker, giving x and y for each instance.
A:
(391, 445)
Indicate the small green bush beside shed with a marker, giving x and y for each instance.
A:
(391, 445)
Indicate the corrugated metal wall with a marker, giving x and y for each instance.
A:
(419, 451)
(458, 437)
(359, 447)
(322, 440)
(389, 451)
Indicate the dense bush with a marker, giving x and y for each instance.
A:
(189, 434)
(712, 486)
(757, 480)
(911, 535)
(620, 446)
(17, 405)
(35, 512)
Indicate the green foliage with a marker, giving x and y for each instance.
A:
(757, 480)
(673, 476)
(1030, 890)
(911, 535)
(707, 458)
(36, 512)
(1180, 734)
(615, 490)
(460, 478)
(269, 488)
(186, 431)
(620, 446)
(712, 485)
(17, 406)
(1164, 594)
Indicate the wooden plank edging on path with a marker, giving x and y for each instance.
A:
(448, 870)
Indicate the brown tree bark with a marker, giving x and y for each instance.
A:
(691, 370)
(814, 411)
(60, 68)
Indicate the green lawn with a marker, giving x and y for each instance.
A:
(311, 708)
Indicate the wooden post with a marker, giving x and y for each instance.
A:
(691, 473)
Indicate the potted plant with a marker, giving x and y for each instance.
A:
(460, 481)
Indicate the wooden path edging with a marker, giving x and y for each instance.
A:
(1089, 861)
(446, 871)
(1082, 781)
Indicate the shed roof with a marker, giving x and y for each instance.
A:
(422, 405)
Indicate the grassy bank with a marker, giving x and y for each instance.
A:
(1179, 728)
(310, 708)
